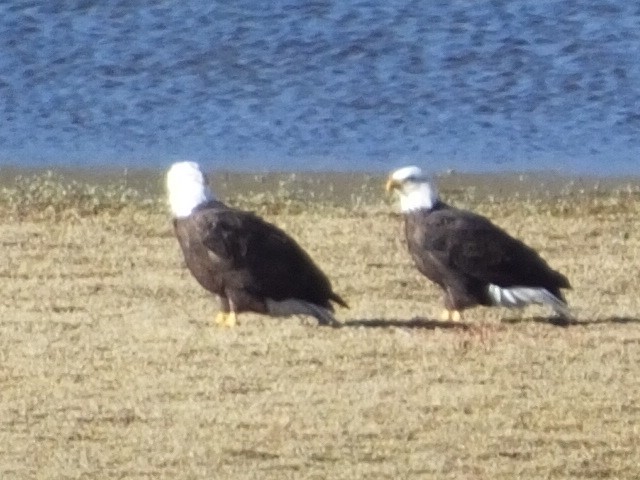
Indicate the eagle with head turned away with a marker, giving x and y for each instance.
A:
(474, 261)
(248, 263)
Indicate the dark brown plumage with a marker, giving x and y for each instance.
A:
(464, 253)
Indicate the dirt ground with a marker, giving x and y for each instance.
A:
(111, 366)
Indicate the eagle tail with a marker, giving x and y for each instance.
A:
(293, 306)
(516, 297)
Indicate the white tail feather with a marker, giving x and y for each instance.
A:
(516, 297)
(292, 306)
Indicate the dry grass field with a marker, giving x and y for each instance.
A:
(111, 367)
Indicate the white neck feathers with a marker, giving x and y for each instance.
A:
(187, 188)
(418, 196)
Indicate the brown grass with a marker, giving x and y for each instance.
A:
(110, 366)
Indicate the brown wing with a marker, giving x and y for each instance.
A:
(476, 251)
(263, 259)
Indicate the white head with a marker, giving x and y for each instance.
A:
(414, 188)
(187, 188)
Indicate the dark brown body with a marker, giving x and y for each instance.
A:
(464, 252)
(246, 260)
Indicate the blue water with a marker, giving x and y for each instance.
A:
(322, 84)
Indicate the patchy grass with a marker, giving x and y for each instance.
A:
(110, 366)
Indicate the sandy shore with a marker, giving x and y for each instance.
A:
(111, 366)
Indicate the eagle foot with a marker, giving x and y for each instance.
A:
(450, 315)
(221, 318)
(226, 319)
(231, 320)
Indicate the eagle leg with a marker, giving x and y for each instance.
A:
(222, 318)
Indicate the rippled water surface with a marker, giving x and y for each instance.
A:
(324, 84)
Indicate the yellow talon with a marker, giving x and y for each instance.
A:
(231, 320)
(221, 318)
(450, 316)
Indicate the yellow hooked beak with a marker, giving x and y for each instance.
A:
(392, 184)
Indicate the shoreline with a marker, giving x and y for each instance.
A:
(340, 186)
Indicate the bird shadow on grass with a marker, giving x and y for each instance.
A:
(414, 323)
(572, 322)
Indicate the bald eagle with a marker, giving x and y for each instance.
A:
(471, 259)
(250, 264)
